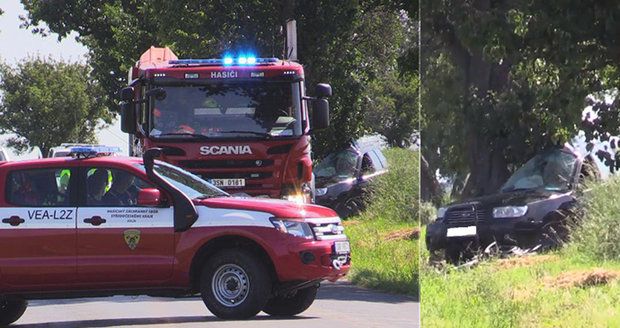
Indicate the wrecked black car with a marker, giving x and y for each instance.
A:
(342, 177)
(529, 209)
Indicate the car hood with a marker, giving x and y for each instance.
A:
(514, 198)
(278, 208)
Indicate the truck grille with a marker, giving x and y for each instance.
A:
(228, 164)
(327, 228)
(462, 215)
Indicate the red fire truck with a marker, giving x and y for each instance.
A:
(157, 230)
(241, 122)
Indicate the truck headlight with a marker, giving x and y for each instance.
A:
(321, 191)
(509, 211)
(293, 227)
(441, 212)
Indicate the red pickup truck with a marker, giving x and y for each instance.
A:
(92, 225)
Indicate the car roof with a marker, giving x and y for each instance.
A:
(71, 161)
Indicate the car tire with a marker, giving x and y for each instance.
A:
(235, 284)
(293, 304)
(11, 311)
(349, 206)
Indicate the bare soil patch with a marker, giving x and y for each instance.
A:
(402, 234)
(583, 278)
(524, 261)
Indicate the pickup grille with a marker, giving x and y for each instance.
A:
(327, 228)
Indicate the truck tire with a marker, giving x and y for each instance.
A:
(11, 311)
(234, 284)
(291, 304)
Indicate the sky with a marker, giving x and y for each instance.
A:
(18, 44)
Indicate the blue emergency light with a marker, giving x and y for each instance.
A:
(94, 151)
(226, 61)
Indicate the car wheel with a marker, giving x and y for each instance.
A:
(554, 234)
(11, 311)
(293, 304)
(349, 206)
(234, 284)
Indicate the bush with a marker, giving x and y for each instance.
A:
(394, 195)
(598, 234)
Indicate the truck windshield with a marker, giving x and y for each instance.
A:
(552, 170)
(190, 184)
(228, 110)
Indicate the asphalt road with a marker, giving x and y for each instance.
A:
(338, 305)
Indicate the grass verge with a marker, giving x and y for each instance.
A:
(384, 237)
(578, 286)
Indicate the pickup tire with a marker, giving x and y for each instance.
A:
(293, 304)
(11, 311)
(234, 284)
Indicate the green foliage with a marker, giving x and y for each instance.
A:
(390, 264)
(47, 102)
(395, 195)
(502, 80)
(345, 43)
(598, 234)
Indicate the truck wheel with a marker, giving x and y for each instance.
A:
(234, 284)
(292, 304)
(11, 311)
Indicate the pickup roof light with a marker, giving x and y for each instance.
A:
(87, 152)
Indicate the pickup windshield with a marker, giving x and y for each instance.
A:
(552, 170)
(191, 185)
(260, 109)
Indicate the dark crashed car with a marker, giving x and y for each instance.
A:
(529, 209)
(342, 177)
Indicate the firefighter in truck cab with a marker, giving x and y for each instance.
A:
(157, 230)
(243, 123)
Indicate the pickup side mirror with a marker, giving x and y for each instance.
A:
(320, 114)
(149, 197)
(323, 90)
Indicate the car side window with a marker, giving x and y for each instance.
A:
(367, 166)
(113, 187)
(39, 187)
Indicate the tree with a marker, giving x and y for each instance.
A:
(47, 102)
(504, 79)
(340, 42)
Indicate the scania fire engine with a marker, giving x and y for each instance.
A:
(158, 230)
(241, 122)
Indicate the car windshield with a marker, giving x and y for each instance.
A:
(228, 110)
(551, 170)
(337, 166)
(190, 184)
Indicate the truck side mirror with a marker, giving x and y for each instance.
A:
(128, 118)
(127, 94)
(323, 90)
(320, 114)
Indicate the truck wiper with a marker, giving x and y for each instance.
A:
(262, 134)
(194, 135)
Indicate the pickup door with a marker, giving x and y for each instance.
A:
(120, 243)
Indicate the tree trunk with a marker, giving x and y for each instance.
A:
(430, 190)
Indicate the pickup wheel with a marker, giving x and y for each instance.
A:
(234, 284)
(11, 311)
(293, 304)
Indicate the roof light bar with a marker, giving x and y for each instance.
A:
(88, 152)
(242, 60)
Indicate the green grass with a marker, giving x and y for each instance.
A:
(493, 294)
(388, 265)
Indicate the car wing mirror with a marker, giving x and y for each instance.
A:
(150, 197)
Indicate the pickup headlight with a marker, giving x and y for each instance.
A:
(293, 227)
(321, 191)
(441, 212)
(509, 211)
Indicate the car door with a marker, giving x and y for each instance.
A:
(37, 229)
(121, 243)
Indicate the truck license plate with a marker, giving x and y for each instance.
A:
(342, 247)
(228, 182)
(461, 231)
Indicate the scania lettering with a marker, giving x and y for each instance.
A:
(225, 150)
(218, 118)
(171, 234)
